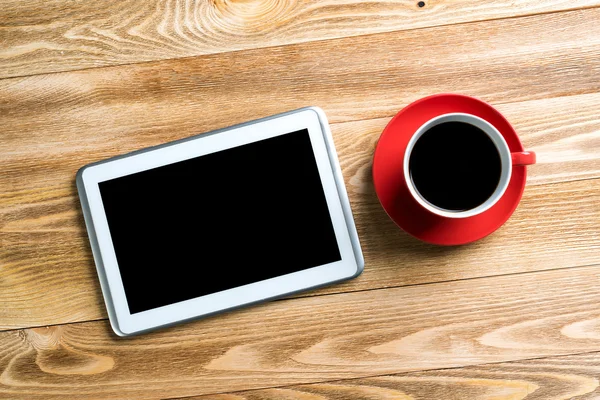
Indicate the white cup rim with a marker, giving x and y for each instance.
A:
(497, 139)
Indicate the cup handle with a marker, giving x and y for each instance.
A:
(523, 158)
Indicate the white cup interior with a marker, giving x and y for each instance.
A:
(497, 139)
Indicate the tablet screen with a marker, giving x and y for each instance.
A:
(219, 221)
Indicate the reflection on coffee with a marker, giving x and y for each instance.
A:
(455, 166)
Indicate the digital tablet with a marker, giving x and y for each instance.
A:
(220, 220)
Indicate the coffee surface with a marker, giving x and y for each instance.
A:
(455, 166)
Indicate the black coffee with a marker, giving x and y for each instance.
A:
(455, 166)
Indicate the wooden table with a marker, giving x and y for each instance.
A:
(515, 315)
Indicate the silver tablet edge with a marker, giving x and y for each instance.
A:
(342, 193)
(89, 225)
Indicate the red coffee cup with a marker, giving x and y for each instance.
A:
(411, 208)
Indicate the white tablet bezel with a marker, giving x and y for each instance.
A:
(349, 266)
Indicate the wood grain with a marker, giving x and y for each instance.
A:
(435, 327)
(48, 275)
(314, 339)
(63, 35)
(553, 378)
(565, 134)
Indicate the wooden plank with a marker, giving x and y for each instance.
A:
(563, 131)
(313, 339)
(547, 378)
(60, 122)
(64, 35)
(565, 134)
(49, 276)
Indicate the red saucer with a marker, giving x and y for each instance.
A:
(393, 193)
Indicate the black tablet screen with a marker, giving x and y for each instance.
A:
(219, 221)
